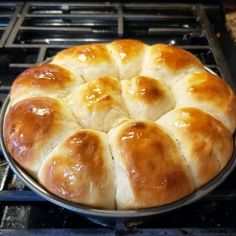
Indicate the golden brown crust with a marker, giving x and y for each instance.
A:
(99, 94)
(98, 104)
(78, 170)
(127, 49)
(207, 86)
(28, 124)
(148, 90)
(174, 58)
(48, 76)
(155, 168)
(205, 141)
(91, 53)
(204, 86)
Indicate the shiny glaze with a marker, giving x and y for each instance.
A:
(48, 76)
(101, 94)
(92, 53)
(205, 86)
(27, 125)
(155, 168)
(204, 135)
(77, 171)
(128, 49)
(174, 58)
(148, 90)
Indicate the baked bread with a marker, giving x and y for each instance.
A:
(121, 125)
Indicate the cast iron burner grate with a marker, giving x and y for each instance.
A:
(33, 32)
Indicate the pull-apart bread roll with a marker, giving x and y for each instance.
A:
(128, 55)
(44, 80)
(87, 61)
(146, 98)
(98, 105)
(206, 144)
(150, 170)
(169, 63)
(209, 93)
(34, 127)
(80, 170)
(121, 125)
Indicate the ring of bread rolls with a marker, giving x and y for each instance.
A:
(121, 125)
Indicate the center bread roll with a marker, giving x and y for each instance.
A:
(146, 98)
(98, 104)
(150, 170)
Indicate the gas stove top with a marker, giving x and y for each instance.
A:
(34, 31)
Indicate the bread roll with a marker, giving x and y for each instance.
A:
(32, 129)
(43, 80)
(168, 63)
(150, 170)
(209, 93)
(169, 124)
(128, 55)
(87, 61)
(146, 98)
(80, 170)
(98, 105)
(204, 141)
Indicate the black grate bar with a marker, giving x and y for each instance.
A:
(157, 17)
(173, 30)
(19, 196)
(120, 22)
(159, 6)
(220, 60)
(12, 13)
(111, 232)
(42, 53)
(59, 232)
(79, 30)
(94, 16)
(4, 170)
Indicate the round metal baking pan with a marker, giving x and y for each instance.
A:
(109, 214)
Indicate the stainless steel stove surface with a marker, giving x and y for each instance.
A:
(32, 32)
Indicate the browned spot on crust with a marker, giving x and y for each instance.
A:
(92, 53)
(174, 58)
(127, 49)
(100, 94)
(148, 90)
(49, 77)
